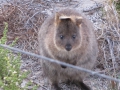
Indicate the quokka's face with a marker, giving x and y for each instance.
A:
(67, 36)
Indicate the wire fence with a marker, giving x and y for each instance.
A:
(61, 63)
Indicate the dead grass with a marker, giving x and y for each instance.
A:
(24, 17)
(109, 42)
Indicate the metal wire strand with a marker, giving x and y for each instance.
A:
(61, 63)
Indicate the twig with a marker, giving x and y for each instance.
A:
(112, 55)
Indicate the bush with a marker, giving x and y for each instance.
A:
(118, 6)
(10, 74)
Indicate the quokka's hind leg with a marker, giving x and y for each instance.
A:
(81, 85)
(54, 80)
(69, 82)
(55, 86)
(84, 86)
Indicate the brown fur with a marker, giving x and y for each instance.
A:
(83, 51)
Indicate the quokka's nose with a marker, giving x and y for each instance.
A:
(68, 47)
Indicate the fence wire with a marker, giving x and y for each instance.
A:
(61, 63)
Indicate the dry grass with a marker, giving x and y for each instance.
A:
(24, 17)
(109, 43)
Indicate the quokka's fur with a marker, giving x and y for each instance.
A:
(69, 37)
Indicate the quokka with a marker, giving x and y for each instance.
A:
(69, 37)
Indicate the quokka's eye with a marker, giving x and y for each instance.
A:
(61, 36)
(73, 36)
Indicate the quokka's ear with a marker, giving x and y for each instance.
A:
(57, 20)
(78, 20)
(59, 17)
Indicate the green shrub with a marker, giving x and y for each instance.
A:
(10, 74)
(118, 6)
